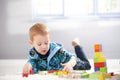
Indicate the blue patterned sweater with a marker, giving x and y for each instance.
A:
(56, 56)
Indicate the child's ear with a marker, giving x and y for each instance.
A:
(30, 42)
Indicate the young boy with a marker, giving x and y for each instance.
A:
(45, 55)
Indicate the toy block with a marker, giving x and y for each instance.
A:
(106, 75)
(24, 74)
(78, 71)
(93, 76)
(31, 71)
(103, 69)
(85, 75)
(97, 48)
(99, 64)
(96, 69)
(72, 76)
(96, 59)
(102, 59)
(98, 54)
(55, 73)
(52, 71)
(65, 72)
(101, 77)
(62, 72)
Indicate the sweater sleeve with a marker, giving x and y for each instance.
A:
(64, 55)
(32, 56)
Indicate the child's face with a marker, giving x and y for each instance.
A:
(41, 43)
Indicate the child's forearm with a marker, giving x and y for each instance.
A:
(72, 62)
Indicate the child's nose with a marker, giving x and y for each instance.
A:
(43, 46)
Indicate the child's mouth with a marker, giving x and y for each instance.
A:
(44, 51)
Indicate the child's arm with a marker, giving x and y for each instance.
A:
(27, 67)
(69, 65)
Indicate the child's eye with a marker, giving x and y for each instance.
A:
(46, 43)
(39, 44)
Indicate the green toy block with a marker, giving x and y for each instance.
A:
(55, 73)
(85, 75)
(96, 59)
(94, 75)
(103, 69)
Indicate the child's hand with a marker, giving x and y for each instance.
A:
(27, 67)
(67, 66)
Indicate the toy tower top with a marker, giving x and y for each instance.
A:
(98, 48)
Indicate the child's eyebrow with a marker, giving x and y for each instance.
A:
(38, 42)
(43, 42)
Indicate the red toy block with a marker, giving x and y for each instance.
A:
(99, 64)
(52, 71)
(25, 75)
(31, 71)
(98, 50)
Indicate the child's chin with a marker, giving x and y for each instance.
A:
(43, 53)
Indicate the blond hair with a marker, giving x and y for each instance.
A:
(38, 28)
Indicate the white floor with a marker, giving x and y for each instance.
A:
(12, 69)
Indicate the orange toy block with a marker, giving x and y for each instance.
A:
(97, 47)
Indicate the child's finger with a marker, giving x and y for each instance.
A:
(66, 69)
(62, 64)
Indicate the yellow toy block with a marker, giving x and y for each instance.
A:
(98, 54)
(102, 59)
(99, 59)
(106, 75)
(101, 77)
(62, 73)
